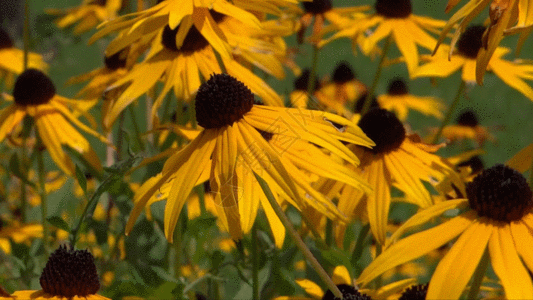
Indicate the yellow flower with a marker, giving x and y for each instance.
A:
(398, 160)
(187, 14)
(513, 73)
(467, 127)
(503, 14)
(230, 148)
(34, 96)
(321, 11)
(68, 274)
(18, 233)
(398, 100)
(344, 89)
(495, 218)
(89, 14)
(181, 69)
(341, 277)
(12, 60)
(394, 19)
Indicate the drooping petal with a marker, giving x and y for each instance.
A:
(415, 246)
(514, 277)
(456, 268)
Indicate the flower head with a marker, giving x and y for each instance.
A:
(34, 95)
(496, 218)
(233, 144)
(68, 274)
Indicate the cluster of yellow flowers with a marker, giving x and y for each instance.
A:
(328, 156)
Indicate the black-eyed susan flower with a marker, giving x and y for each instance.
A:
(393, 19)
(321, 11)
(68, 274)
(468, 127)
(342, 278)
(343, 88)
(191, 14)
(398, 160)
(12, 59)
(230, 149)
(18, 233)
(88, 14)
(182, 69)
(513, 73)
(399, 100)
(35, 96)
(495, 218)
(505, 17)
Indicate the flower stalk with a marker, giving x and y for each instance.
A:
(450, 111)
(368, 99)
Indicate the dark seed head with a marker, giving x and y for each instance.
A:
(399, 9)
(117, 60)
(416, 292)
(468, 118)
(33, 87)
(384, 128)
(500, 193)
(70, 273)
(5, 40)
(221, 101)
(470, 41)
(317, 6)
(397, 87)
(301, 83)
(343, 73)
(348, 293)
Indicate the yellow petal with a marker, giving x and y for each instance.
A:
(415, 246)
(341, 276)
(311, 288)
(456, 268)
(514, 277)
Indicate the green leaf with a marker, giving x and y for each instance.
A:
(246, 290)
(59, 223)
(82, 180)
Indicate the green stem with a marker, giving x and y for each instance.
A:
(44, 202)
(255, 263)
(311, 81)
(26, 32)
(449, 112)
(370, 95)
(297, 239)
(478, 276)
(359, 245)
(136, 128)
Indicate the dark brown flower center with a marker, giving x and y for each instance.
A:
(343, 73)
(360, 102)
(399, 9)
(194, 40)
(5, 40)
(384, 128)
(416, 292)
(348, 293)
(500, 193)
(316, 7)
(468, 118)
(33, 87)
(221, 101)
(117, 60)
(301, 83)
(397, 87)
(470, 41)
(70, 273)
